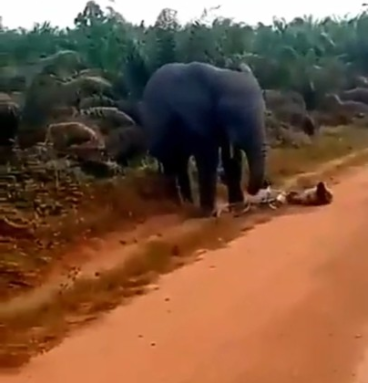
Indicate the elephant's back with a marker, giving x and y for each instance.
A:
(242, 85)
(175, 78)
(176, 91)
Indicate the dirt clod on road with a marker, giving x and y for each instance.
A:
(287, 302)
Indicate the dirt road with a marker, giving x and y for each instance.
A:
(288, 302)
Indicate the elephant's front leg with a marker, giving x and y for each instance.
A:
(184, 180)
(206, 158)
(232, 163)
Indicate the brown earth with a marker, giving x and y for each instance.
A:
(288, 302)
(77, 213)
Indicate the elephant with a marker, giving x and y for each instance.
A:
(197, 109)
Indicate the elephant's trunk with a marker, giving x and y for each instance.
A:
(252, 139)
(256, 156)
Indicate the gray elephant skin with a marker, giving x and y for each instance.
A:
(195, 109)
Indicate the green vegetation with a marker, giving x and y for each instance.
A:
(304, 55)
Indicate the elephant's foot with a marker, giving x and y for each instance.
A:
(174, 198)
(209, 213)
(204, 212)
(171, 191)
(239, 208)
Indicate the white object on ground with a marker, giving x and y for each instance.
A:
(267, 196)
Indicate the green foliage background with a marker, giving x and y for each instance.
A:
(304, 55)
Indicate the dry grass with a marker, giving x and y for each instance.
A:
(101, 207)
(25, 334)
(333, 143)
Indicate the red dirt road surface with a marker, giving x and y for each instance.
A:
(287, 302)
